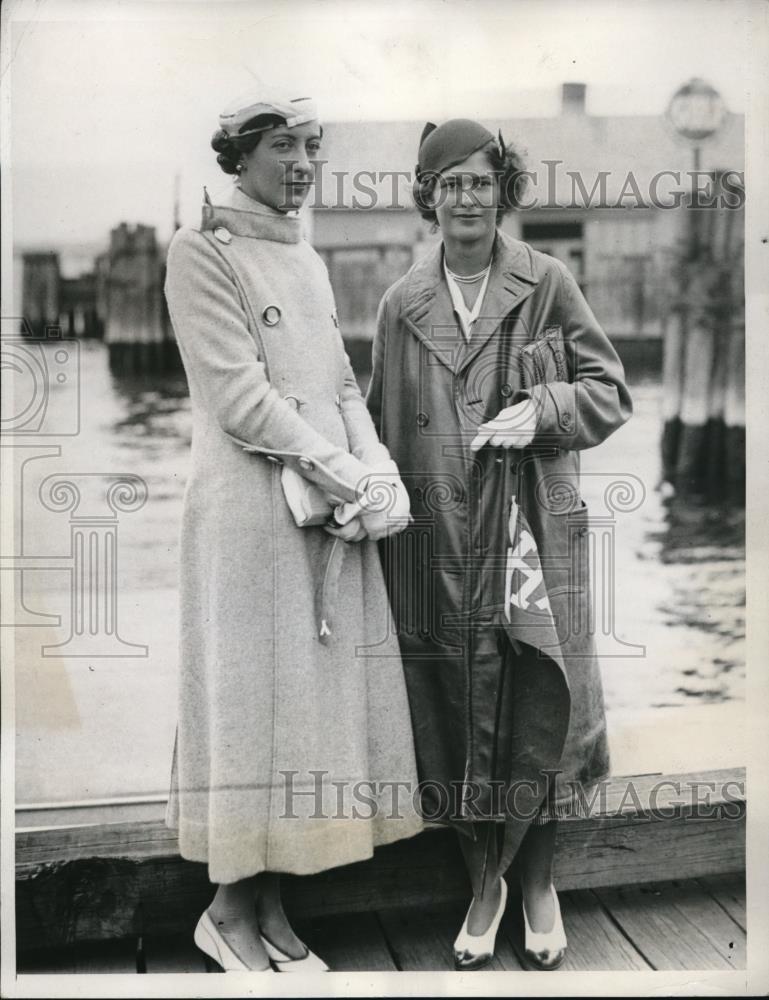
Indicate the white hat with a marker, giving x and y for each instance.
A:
(239, 112)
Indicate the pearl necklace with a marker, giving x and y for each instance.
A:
(468, 279)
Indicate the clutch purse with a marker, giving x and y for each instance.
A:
(306, 501)
(544, 359)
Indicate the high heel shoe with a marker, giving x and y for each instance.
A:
(545, 951)
(474, 951)
(309, 962)
(211, 942)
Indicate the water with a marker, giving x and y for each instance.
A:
(99, 726)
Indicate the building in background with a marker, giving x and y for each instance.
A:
(591, 203)
(619, 247)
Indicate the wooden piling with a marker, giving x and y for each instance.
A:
(703, 437)
(40, 286)
(137, 332)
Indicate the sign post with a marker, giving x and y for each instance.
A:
(696, 111)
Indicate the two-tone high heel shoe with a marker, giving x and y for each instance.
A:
(208, 938)
(475, 951)
(309, 962)
(545, 951)
(212, 943)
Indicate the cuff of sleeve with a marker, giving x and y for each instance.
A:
(378, 457)
(353, 472)
(554, 402)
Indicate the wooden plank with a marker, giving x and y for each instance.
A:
(418, 938)
(107, 957)
(422, 940)
(725, 934)
(175, 953)
(127, 879)
(676, 926)
(595, 943)
(729, 893)
(620, 852)
(53, 961)
(349, 942)
(633, 796)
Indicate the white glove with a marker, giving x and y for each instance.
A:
(513, 427)
(350, 531)
(384, 509)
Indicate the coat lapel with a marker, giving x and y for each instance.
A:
(429, 314)
(428, 311)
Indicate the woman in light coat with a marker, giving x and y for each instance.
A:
(490, 374)
(293, 714)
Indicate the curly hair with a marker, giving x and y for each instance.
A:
(508, 167)
(230, 148)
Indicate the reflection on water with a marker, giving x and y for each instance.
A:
(151, 407)
(99, 727)
(680, 589)
(680, 568)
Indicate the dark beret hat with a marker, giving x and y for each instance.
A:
(443, 146)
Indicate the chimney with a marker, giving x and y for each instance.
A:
(573, 99)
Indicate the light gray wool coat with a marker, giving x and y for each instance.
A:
(286, 739)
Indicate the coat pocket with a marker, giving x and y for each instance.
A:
(544, 358)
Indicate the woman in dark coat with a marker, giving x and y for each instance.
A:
(490, 374)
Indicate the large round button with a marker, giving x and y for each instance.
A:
(223, 235)
(271, 315)
(506, 389)
(422, 419)
(566, 420)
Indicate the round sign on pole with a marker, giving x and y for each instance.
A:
(696, 110)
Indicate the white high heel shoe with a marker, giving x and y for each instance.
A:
(474, 951)
(284, 963)
(211, 942)
(546, 951)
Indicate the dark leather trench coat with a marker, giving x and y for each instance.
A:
(507, 709)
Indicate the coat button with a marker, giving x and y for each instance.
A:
(566, 420)
(306, 463)
(422, 419)
(506, 389)
(271, 315)
(223, 235)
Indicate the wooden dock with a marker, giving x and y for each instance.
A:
(654, 878)
(695, 924)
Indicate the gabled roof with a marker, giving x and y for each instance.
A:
(589, 144)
